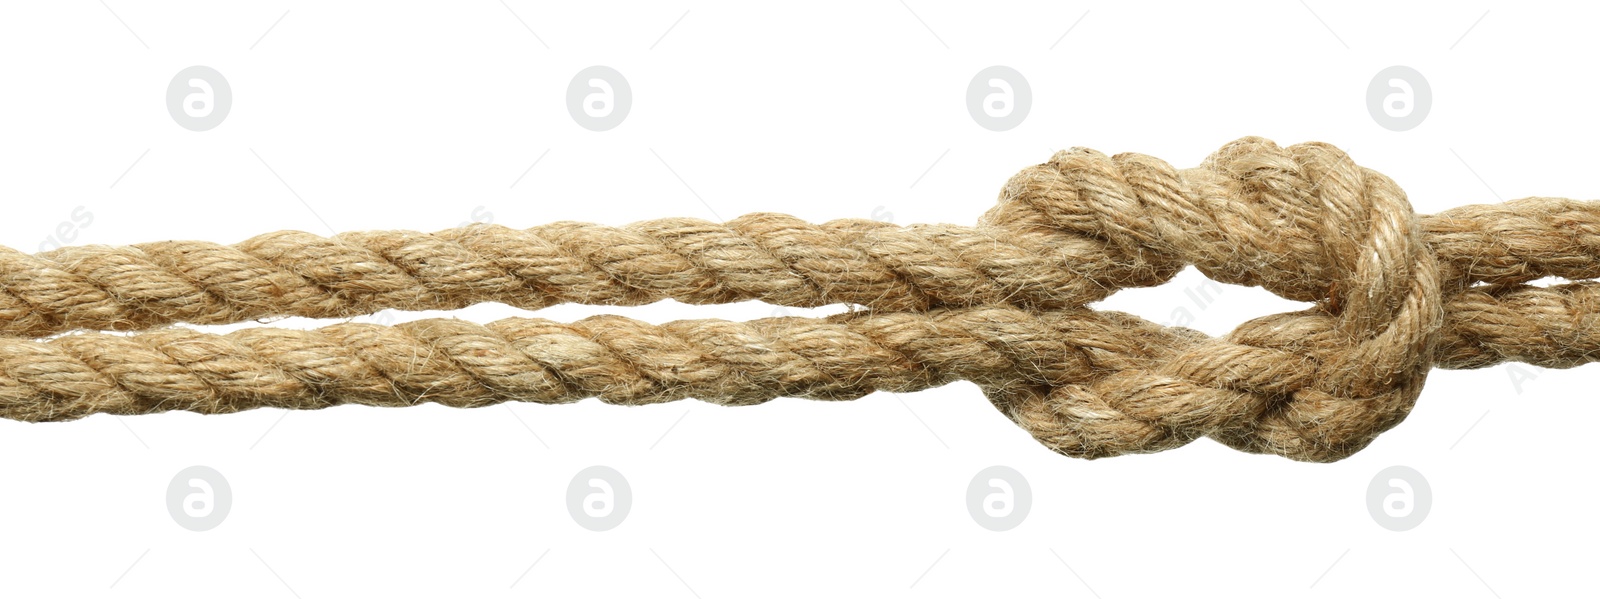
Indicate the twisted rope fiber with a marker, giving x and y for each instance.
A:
(763, 256)
(617, 359)
(999, 304)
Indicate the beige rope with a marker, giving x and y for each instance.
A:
(998, 304)
(763, 256)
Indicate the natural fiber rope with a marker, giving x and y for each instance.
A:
(763, 256)
(998, 304)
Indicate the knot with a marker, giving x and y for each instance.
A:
(1304, 222)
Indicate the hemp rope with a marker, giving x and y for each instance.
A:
(1000, 304)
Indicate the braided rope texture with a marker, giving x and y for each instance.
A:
(1001, 304)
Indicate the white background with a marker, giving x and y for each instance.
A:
(423, 116)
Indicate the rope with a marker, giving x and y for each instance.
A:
(766, 257)
(1000, 304)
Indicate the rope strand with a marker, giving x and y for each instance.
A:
(617, 359)
(768, 257)
(630, 362)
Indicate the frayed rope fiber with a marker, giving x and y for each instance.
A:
(1001, 304)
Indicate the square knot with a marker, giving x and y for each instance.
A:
(1304, 222)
